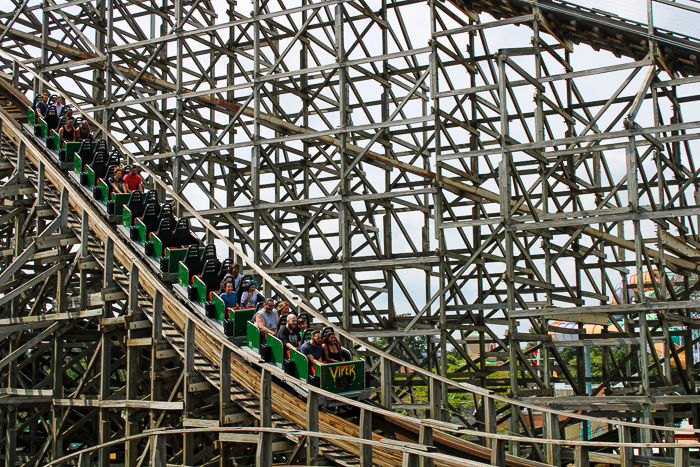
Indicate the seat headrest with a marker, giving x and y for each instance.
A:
(183, 224)
(151, 196)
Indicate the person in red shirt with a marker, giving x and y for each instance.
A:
(132, 181)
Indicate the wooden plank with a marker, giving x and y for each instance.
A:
(51, 317)
(137, 342)
(198, 423)
(239, 438)
(26, 392)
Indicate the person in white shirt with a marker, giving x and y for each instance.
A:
(250, 296)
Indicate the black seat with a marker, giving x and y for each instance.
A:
(114, 158)
(225, 266)
(209, 253)
(151, 197)
(150, 217)
(100, 156)
(182, 234)
(85, 151)
(166, 212)
(101, 145)
(51, 118)
(136, 204)
(210, 276)
(108, 175)
(165, 232)
(243, 284)
(99, 165)
(192, 261)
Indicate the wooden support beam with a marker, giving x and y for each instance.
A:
(626, 454)
(681, 457)
(159, 454)
(365, 433)
(312, 425)
(409, 460)
(133, 373)
(386, 379)
(553, 451)
(498, 453)
(224, 400)
(263, 455)
(436, 400)
(581, 457)
(188, 438)
(425, 437)
(489, 419)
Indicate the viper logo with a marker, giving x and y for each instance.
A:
(344, 370)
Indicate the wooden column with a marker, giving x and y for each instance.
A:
(581, 458)
(105, 358)
(156, 365)
(436, 399)
(188, 438)
(56, 411)
(84, 235)
(425, 437)
(498, 453)
(159, 455)
(489, 419)
(386, 380)
(312, 425)
(409, 460)
(681, 457)
(10, 435)
(551, 427)
(263, 456)
(132, 370)
(224, 401)
(365, 433)
(626, 454)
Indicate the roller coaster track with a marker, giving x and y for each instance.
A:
(187, 337)
(289, 409)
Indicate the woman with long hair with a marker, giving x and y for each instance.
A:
(332, 350)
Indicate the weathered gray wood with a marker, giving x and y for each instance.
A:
(425, 437)
(581, 457)
(188, 438)
(409, 460)
(551, 427)
(489, 419)
(436, 400)
(386, 370)
(159, 454)
(365, 433)
(263, 455)
(681, 457)
(224, 400)
(312, 425)
(498, 453)
(132, 370)
(626, 454)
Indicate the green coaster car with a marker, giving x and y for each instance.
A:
(170, 245)
(136, 206)
(235, 321)
(338, 378)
